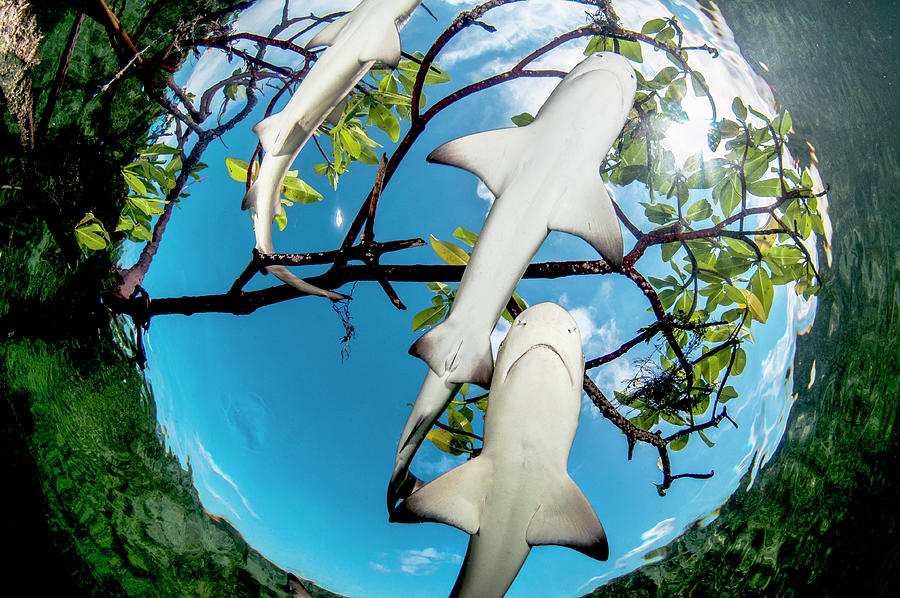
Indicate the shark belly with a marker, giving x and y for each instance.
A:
(497, 552)
(458, 349)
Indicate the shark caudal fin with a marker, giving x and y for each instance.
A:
(430, 403)
(565, 518)
(493, 156)
(454, 357)
(586, 210)
(455, 498)
(284, 275)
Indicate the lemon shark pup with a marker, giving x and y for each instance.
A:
(517, 493)
(546, 176)
(368, 33)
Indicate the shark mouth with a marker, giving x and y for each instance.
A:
(532, 348)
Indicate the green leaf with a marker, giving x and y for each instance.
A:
(135, 183)
(740, 361)
(631, 50)
(727, 394)
(708, 175)
(700, 210)
(784, 255)
(664, 77)
(450, 253)
(765, 188)
(522, 119)
(740, 111)
(90, 234)
(281, 218)
(659, 213)
(438, 287)
(783, 123)
(683, 304)
(298, 191)
(466, 236)
(428, 316)
(669, 250)
(159, 148)
(679, 443)
(368, 156)
(757, 311)
(385, 120)
(729, 194)
(697, 83)
(653, 25)
(705, 439)
(147, 205)
(762, 287)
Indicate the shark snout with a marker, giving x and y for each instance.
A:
(544, 326)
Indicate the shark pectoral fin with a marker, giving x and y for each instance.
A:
(326, 36)
(334, 117)
(565, 518)
(452, 356)
(493, 156)
(585, 210)
(383, 44)
(274, 133)
(456, 498)
(251, 197)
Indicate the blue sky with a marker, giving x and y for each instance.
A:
(294, 445)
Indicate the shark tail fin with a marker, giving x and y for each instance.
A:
(586, 210)
(565, 518)
(455, 498)
(284, 275)
(454, 357)
(494, 156)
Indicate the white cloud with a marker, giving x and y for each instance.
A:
(211, 465)
(497, 336)
(378, 567)
(425, 562)
(519, 25)
(441, 466)
(653, 535)
(485, 193)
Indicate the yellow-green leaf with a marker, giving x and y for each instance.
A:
(443, 440)
(450, 253)
(297, 190)
(237, 169)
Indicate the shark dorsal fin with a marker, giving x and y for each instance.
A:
(586, 211)
(493, 156)
(326, 36)
(565, 518)
(455, 498)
